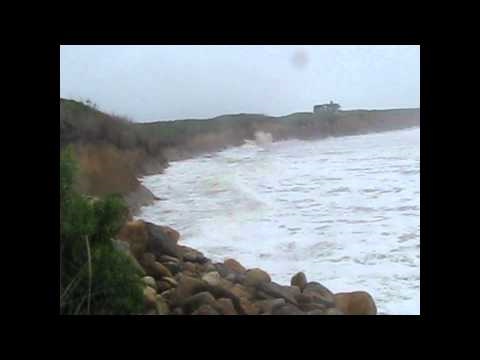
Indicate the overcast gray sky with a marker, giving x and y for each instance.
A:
(150, 83)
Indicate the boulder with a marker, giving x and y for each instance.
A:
(161, 305)
(266, 306)
(278, 291)
(136, 235)
(299, 279)
(167, 294)
(242, 291)
(235, 266)
(166, 259)
(319, 294)
(147, 260)
(263, 296)
(149, 295)
(236, 277)
(303, 299)
(212, 278)
(333, 311)
(194, 256)
(209, 267)
(226, 306)
(187, 286)
(157, 270)
(189, 266)
(161, 241)
(171, 281)
(221, 292)
(195, 301)
(248, 307)
(205, 310)
(163, 286)
(287, 309)
(355, 303)
(312, 307)
(173, 267)
(254, 277)
(191, 274)
(173, 234)
(222, 269)
(150, 281)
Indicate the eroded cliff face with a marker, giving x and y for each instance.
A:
(113, 152)
(105, 169)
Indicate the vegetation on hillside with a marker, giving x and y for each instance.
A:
(113, 151)
(95, 277)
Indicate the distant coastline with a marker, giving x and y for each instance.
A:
(113, 151)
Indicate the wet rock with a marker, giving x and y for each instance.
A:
(174, 268)
(226, 284)
(171, 233)
(263, 296)
(167, 294)
(222, 269)
(279, 291)
(212, 278)
(190, 273)
(167, 259)
(287, 309)
(266, 306)
(147, 260)
(209, 267)
(319, 293)
(355, 303)
(205, 310)
(189, 266)
(303, 299)
(248, 307)
(231, 277)
(242, 291)
(195, 301)
(235, 266)
(187, 286)
(161, 240)
(150, 281)
(254, 277)
(157, 270)
(161, 305)
(312, 307)
(171, 281)
(226, 306)
(163, 286)
(192, 255)
(299, 280)
(333, 311)
(149, 295)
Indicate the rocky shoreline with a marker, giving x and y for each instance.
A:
(180, 280)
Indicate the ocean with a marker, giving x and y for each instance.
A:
(344, 210)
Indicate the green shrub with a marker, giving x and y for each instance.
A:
(106, 282)
(118, 288)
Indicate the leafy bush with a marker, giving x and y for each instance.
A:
(96, 278)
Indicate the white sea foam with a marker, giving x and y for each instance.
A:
(345, 210)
